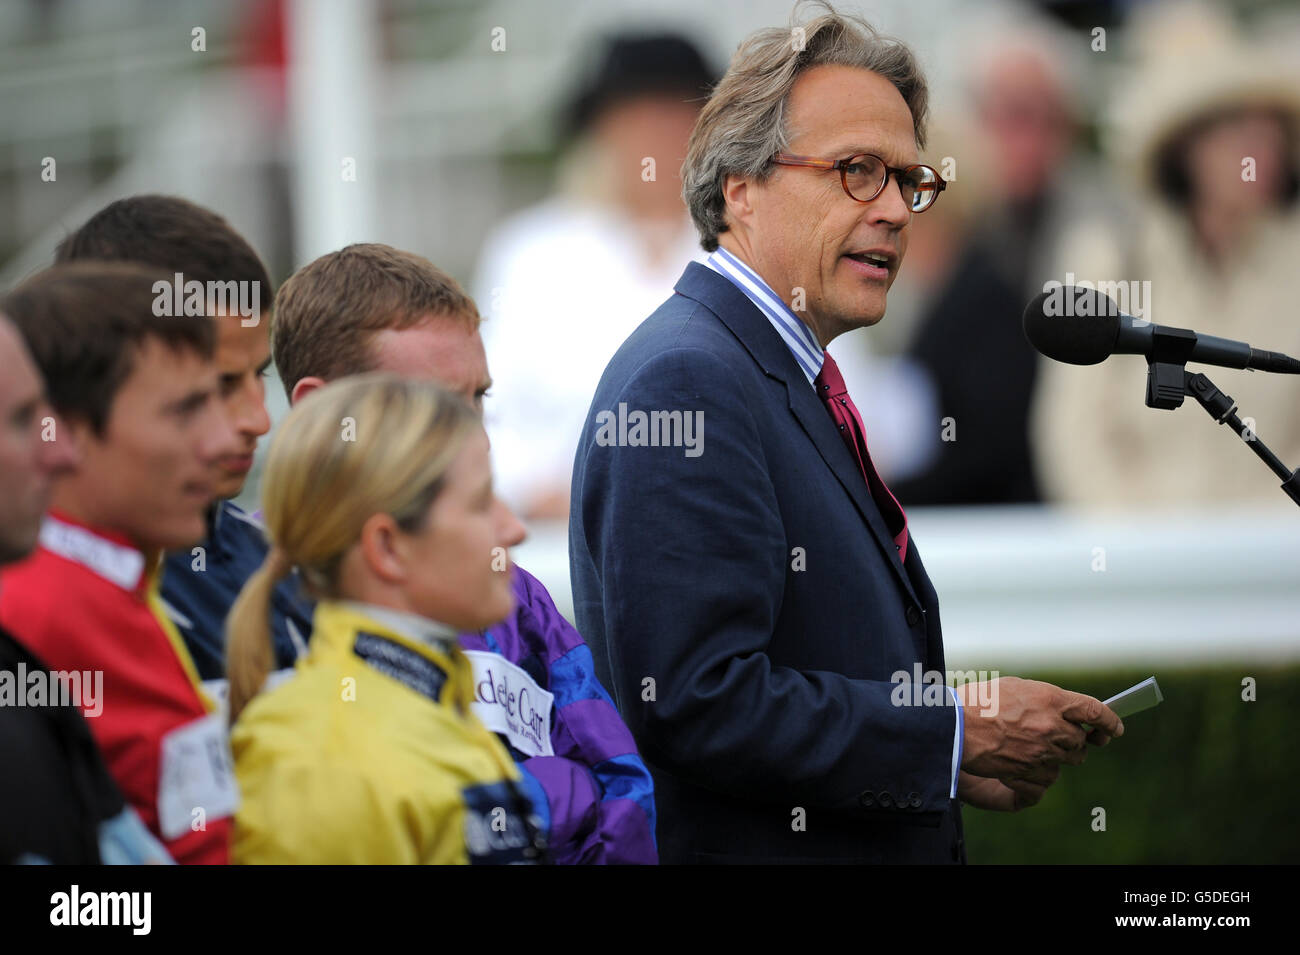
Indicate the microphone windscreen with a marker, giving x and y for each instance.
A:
(1074, 325)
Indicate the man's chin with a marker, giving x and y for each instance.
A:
(20, 532)
(15, 546)
(861, 313)
(180, 534)
(871, 307)
(229, 487)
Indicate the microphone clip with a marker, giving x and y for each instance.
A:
(1171, 349)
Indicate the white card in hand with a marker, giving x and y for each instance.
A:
(1137, 698)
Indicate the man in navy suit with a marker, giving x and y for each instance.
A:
(746, 580)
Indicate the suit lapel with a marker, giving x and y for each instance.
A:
(761, 340)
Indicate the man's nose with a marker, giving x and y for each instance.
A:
(251, 416)
(219, 437)
(890, 206)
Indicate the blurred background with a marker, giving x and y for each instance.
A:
(1073, 534)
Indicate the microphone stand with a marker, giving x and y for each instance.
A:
(1168, 382)
(1223, 409)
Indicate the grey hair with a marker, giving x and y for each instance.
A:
(743, 125)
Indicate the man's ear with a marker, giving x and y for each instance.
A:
(304, 387)
(381, 548)
(77, 432)
(737, 195)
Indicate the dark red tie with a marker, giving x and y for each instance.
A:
(833, 393)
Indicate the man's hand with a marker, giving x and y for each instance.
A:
(998, 795)
(1023, 730)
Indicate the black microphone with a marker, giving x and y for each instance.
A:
(1081, 326)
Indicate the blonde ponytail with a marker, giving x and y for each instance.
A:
(249, 641)
(364, 445)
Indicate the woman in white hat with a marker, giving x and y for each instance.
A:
(1207, 131)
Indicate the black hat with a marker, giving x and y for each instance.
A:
(634, 65)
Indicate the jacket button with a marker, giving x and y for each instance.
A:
(913, 615)
(886, 800)
(914, 800)
(867, 799)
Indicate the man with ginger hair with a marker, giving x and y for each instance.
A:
(370, 307)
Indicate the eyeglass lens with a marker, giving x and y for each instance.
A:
(864, 175)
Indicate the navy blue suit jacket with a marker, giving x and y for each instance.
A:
(747, 607)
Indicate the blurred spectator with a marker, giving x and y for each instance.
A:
(969, 341)
(1208, 128)
(565, 282)
(136, 394)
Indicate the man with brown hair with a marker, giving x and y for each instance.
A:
(374, 308)
(757, 599)
(136, 396)
(203, 254)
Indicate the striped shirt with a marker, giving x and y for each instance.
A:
(798, 337)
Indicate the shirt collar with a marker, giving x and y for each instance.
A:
(422, 630)
(107, 553)
(229, 526)
(215, 526)
(798, 337)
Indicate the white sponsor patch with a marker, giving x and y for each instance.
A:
(114, 562)
(508, 701)
(197, 774)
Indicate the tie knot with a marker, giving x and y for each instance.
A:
(829, 381)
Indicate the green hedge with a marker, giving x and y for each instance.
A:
(1202, 778)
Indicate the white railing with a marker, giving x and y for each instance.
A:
(1025, 589)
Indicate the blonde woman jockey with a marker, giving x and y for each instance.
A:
(379, 490)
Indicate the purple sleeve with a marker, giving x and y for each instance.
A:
(600, 793)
